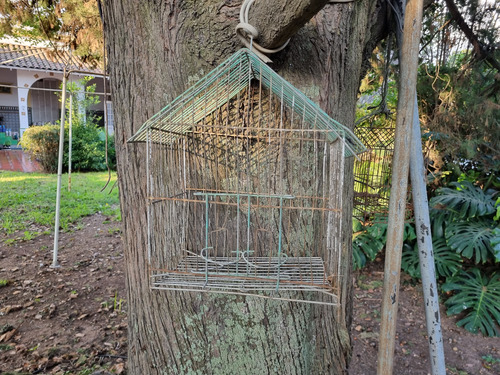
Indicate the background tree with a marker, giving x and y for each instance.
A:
(156, 49)
(459, 89)
(69, 23)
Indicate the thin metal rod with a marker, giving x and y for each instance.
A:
(215, 202)
(207, 223)
(280, 240)
(66, 74)
(70, 140)
(55, 264)
(399, 185)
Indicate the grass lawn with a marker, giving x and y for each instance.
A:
(28, 200)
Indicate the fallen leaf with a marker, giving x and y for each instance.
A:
(118, 368)
(7, 336)
(10, 308)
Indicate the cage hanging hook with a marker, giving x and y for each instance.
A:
(246, 31)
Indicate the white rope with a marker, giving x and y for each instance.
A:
(247, 33)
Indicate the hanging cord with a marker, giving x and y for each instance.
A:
(247, 33)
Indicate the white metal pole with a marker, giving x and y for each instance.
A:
(55, 263)
(425, 250)
(70, 138)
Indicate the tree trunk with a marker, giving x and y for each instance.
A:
(157, 49)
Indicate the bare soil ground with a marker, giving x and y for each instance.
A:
(72, 320)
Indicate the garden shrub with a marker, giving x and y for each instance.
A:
(42, 144)
(88, 147)
(88, 151)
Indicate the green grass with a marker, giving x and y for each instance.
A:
(30, 198)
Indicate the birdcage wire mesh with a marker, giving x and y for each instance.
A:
(372, 175)
(243, 188)
(372, 172)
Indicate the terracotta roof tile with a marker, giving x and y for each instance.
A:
(26, 57)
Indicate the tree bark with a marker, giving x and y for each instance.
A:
(157, 49)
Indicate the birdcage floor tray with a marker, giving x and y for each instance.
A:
(245, 275)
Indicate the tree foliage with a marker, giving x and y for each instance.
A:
(69, 23)
(459, 89)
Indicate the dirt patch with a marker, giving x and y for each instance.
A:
(465, 353)
(66, 320)
(73, 319)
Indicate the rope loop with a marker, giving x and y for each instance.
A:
(247, 33)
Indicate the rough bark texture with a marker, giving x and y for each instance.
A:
(156, 50)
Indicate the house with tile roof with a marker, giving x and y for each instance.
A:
(30, 79)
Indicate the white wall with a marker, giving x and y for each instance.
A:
(25, 79)
(8, 77)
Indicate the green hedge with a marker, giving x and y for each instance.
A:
(88, 147)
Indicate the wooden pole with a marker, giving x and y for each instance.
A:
(399, 185)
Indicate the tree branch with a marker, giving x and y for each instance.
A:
(278, 20)
(479, 48)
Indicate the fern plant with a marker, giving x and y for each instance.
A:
(478, 296)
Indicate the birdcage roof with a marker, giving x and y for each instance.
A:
(225, 82)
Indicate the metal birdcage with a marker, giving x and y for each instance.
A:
(242, 197)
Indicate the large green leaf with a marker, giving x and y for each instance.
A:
(364, 247)
(409, 232)
(478, 296)
(495, 243)
(447, 261)
(471, 239)
(378, 231)
(466, 201)
(410, 262)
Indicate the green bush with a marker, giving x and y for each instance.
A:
(42, 143)
(369, 240)
(88, 147)
(88, 151)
